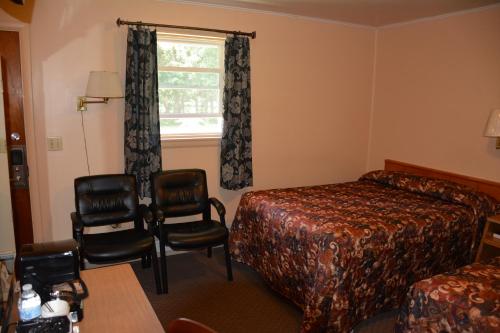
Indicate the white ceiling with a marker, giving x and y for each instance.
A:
(366, 12)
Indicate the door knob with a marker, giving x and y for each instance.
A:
(15, 136)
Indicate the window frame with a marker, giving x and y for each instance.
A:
(194, 39)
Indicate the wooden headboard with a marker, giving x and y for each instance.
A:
(482, 185)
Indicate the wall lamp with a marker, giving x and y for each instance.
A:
(102, 85)
(493, 126)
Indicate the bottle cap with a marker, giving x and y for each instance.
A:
(27, 287)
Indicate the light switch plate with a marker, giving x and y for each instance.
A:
(54, 143)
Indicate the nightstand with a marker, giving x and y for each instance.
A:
(490, 246)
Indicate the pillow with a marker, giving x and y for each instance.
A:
(482, 204)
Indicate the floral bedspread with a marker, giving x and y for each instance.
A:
(465, 300)
(344, 252)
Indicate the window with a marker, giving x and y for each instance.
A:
(190, 84)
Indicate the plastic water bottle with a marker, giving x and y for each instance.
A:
(30, 305)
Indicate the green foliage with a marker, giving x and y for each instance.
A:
(208, 121)
(170, 122)
(185, 92)
(185, 101)
(187, 55)
(188, 80)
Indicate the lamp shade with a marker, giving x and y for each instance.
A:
(104, 84)
(493, 126)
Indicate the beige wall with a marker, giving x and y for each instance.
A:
(436, 82)
(7, 243)
(311, 95)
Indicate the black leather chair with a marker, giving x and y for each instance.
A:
(184, 193)
(107, 200)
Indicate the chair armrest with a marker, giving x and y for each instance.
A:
(157, 213)
(77, 227)
(221, 210)
(77, 222)
(146, 214)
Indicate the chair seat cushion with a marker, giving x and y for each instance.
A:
(193, 235)
(116, 246)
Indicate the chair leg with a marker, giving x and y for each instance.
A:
(209, 252)
(163, 264)
(82, 262)
(146, 261)
(154, 259)
(228, 262)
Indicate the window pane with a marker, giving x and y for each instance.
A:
(188, 80)
(187, 126)
(188, 101)
(187, 55)
(189, 89)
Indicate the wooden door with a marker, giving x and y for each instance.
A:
(15, 136)
(7, 241)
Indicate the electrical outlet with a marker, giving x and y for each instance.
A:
(54, 143)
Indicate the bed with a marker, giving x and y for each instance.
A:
(344, 252)
(463, 300)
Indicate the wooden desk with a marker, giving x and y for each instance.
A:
(116, 302)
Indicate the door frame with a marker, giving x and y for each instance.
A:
(34, 128)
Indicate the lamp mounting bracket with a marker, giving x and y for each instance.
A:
(82, 102)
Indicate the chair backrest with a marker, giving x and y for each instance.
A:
(181, 192)
(106, 199)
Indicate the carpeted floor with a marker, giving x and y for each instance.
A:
(198, 290)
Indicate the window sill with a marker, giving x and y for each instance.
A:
(189, 142)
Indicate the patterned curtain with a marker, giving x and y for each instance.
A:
(142, 127)
(236, 142)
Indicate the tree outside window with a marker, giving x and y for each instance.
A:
(190, 77)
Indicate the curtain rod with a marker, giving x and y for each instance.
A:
(119, 22)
